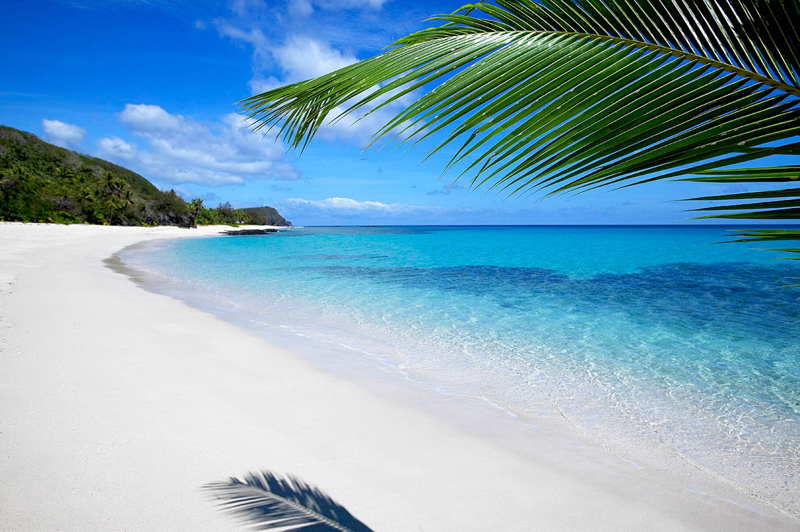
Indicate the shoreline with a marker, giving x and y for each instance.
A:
(146, 395)
(362, 357)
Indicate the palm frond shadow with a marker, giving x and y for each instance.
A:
(265, 501)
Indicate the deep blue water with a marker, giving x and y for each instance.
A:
(640, 335)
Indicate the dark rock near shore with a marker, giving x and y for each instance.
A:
(250, 232)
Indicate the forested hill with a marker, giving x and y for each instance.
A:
(40, 182)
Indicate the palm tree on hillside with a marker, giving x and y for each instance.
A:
(572, 95)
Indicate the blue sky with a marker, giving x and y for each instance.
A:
(153, 85)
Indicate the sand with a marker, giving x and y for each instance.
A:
(118, 404)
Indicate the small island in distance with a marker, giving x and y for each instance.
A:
(41, 182)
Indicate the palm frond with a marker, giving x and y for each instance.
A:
(764, 235)
(270, 502)
(772, 235)
(783, 203)
(578, 94)
(758, 38)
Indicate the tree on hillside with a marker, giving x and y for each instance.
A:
(572, 95)
(117, 199)
(195, 209)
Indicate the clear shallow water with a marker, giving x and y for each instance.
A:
(643, 337)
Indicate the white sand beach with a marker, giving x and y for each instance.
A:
(118, 404)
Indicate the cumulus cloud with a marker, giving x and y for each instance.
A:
(181, 150)
(280, 58)
(242, 7)
(303, 58)
(116, 148)
(299, 58)
(306, 7)
(253, 37)
(153, 118)
(348, 204)
(62, 134)
(342, 210)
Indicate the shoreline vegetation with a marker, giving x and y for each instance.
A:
(169, 398)
(41, 182)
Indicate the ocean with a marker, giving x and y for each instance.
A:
(642, 337)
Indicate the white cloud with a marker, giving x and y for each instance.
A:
(242, 7)
(151, 118)
(302, 58)
(351, 206)
(300, 55)
(306, 7)
(181, 150)
(116, 148)
(253, 37)
(338, 210)
(62, 134)
(299, 58)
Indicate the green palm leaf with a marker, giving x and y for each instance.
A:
(783, 204)
(577, 94)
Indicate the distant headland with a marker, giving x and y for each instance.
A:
(41, 182)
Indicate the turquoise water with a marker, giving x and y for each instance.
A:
(639, 336)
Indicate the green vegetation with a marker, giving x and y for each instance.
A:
(568, 95)
(225, 214)
(40, 182)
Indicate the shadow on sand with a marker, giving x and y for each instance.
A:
(265, 501)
